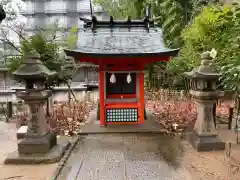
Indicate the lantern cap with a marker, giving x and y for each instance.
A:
(204, 71)
(32, 69)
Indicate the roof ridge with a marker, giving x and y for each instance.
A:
(94, 23)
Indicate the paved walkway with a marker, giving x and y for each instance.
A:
(127, 157)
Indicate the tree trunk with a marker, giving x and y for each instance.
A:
(150, 76)
(70, 90)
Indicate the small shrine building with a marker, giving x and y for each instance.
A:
(121, 49)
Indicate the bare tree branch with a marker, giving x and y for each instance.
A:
(19, 31)
(7, 41)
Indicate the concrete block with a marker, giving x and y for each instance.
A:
(21, 132)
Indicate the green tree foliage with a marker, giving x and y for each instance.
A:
(48, 51)
(198, 5)
(72, 37)
(215, 27)
(231, 69)
(121, 9)
(173, 22)
(171, 15)
(45, 43)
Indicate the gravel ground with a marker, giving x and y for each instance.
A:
(209, 165)
(215, 165)
(8, 143)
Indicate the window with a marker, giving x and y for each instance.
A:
(121, 86)
(62, 21)
(83, 6)
(30, 22)
(29, 6)
(71, 6)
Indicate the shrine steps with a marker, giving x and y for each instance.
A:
(92, 126)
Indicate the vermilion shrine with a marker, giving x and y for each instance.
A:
(121, 49)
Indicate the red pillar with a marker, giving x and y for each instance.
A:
(142, 104)
(101, 95)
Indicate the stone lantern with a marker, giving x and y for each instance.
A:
(39, 142)
(205, 93)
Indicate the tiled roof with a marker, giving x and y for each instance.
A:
(121, 38)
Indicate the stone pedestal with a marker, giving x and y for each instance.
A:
(42, 144)
(206, 143)
(204, 136)
(39, 144)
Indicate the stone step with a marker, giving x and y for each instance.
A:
(21, 132)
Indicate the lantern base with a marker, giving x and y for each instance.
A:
(206, 143)
(37, 145)
(54, 155)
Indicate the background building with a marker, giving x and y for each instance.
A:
(40, 13)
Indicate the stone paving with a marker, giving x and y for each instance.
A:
(127, 157)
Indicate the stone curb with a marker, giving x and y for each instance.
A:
(65, 158)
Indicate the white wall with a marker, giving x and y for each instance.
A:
(57, 96)
(80, 95)
(29, 6)
(55, 6)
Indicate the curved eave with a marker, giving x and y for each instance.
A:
(79, 54)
